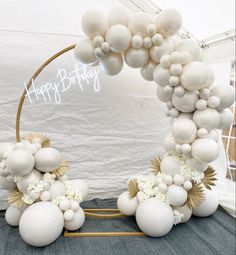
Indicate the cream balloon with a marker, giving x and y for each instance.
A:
(5, 184)
(127, 205)
(94, 23)
(47, 159)
(84, 51)
(80, 186)
(161, 75)
(191, 47)
(209, 205)
(163, 95)
(13, 215)
(77, 221)
(168, 22)
(185, 103)
(226, 119)
(57, 189)
(154, 217)
(112, 63)
(119, 37)
(119, 15)
(205, 150)
(156, 52)
(136, 57)
(170, 165)
(5, 147)
(176, 195)
(147, 70)
(186, 211)
(41, 224)
(196, 165)
(169, 144)
(208, 118)
(20, 162)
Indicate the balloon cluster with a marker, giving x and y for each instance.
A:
(182, 181)
(42, 200)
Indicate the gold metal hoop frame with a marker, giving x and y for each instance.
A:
(103, 213)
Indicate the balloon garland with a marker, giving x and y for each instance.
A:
(42, 200)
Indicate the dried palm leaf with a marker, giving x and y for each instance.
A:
(209, 177)
(61, 170)
(195, 195)
(14, 198)
(156, 165)
(133, 188)
(44, 140)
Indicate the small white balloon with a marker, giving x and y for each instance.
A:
(208, 118)
(179, 91)
(168, 179)
(176, 69)
(175, 57)
(174, 80)
(157, 39)
(156, 52)
(191, 47)
(147, 70)
(65, 204)
(176, 195)
(202, 132)
(98, 53)
(69, 215)
(204, 93)
(84, 51)
(187, 102)
(170, 165)
(105, 46)
(74, 206)
(226, 119)
(151, 29)
(186, 148)
(45, 196)
(178, 179)
(137, 41)
(77, 221)
(161, 75)
(136, 57)
(13, 215)
(185, 58)
(119, 15)
(201, 104)
(127, 205)
(163, 95)
(162, 187)
(174, 112)
(213, 102)
(165, 61)
(98, 40)
(112, 63)
(188, 185)
(147, 42)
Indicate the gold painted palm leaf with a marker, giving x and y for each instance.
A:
(14, 198)
(62, 169)
(133, 188)
(156, 165)
(195, 195)
(45, 140)
(209, 177)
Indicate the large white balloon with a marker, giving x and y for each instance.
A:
(176, 195)
(170, 165)
(154, 217)
(77, 221)
(156, 52)
(41, 224)
(161, 75)
(112, 63)
(194, 76)
(57, 189)
(226, 119)
(136, 57)
(84, 51)
(163, 95)
(184, 130)
(168, 22)
(5, 184)
(127, 205)
(208, 118)
(47, 159)
(119, 37)
(147, 70)
(209, 205)
(187, 102)
(28, 179)
(13, 215)
(5, 147)
(205, 150)
(138, 23)
(119, 15)
(80, 186)
(20, 162)
(226, 95)
(94, 23)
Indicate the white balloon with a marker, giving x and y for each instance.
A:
(176, 195)
(84, 51)
(163, 95)
(119, 37)
(169, 144)
(204, 93)
(94, 23)
(57, 189)
(205, 150)
(47, 159)
(191, 47)
(45, 196)
(80, 186)
(119, 15)
(186, 211)
(147, 70)
(202, 132)
(201, 104)
(147, 42)
(178, 179)
(226, 95)
(170, 165)
(213, 102)
(112, 63)
(151, 30)
(5, 184)
(136, 57)
(156, 52)
(188, 185)
(176, 69)
(137, 41)
(65, 204)
(184, 130)
(209, 205)
(157, 39)
(28, 179)
(77, 222)
(154, 217)
(5, 147)
(179, 91)
(41, 224)
(208, 118)
(74, 206)
(69, 215)
(213, 134)
(165, 61)
(20, 162)
(106, 47)
(127, 205)
(13, 215)
(138, 23)
(168, 22)
(185, 103)
(226, 119)
(174, 80)
(98, 40)
(161, 75)
(196, 165)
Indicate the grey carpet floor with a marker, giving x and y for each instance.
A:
(200, 236)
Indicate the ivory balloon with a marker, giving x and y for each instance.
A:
(80, 186)
(20, 162)
(194, 76)
(209, 205)
(47, 159)
(84, 51)
(208, 118)
(186, 211)
(169, 144)
(196, 165)
(191, 47)
(184, 130)
(205, 150)
(13, 215)
(187, 102)
(77, 221)
(147, 70)
(136, 57)
(154, 217)
(156, 52)
(112, 63)
(119, 15)
(41, 224)
(168, 22)
(170, 165)
(5, 147)
(161, 75)
(57, 189)
(127, 205)
(138, 23)
(5, 184)
(94, 23)
(176, 195)
(226, 119)
(119, 37)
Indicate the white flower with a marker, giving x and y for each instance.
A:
(177, 216)
(26, 198)
(17, 178)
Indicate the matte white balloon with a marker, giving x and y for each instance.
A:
(170, 165)
(168, 22)
(191, 47)
(77, 222)
(161, 75)
(202, 132)
(147, 70)
(163, 95)
(213, 102)
(186, 211)
(28, 179)
(151, 30)
(80, 186)
(226, 119)
(196, 165)
(74, 206)
(176, 195)
(13, 215)
(187, 102)
(119, 15)
(65, 204)
(165, 61)
(57, 189)
(137, 41)
(157, 39)
(179, 91)
(94, 23)
(201, 104)
(205, 150)
(69, 215)
(154, 217)
(45, 196)
(156, 52)
(41, 224)
(188, 185)
(127, 205)
(178, 179)
(147, 42)
(119, 37)
(208, 118)
(176, 69)
(84, 51)
(5, 147)
(136, 57)
(112, 63)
